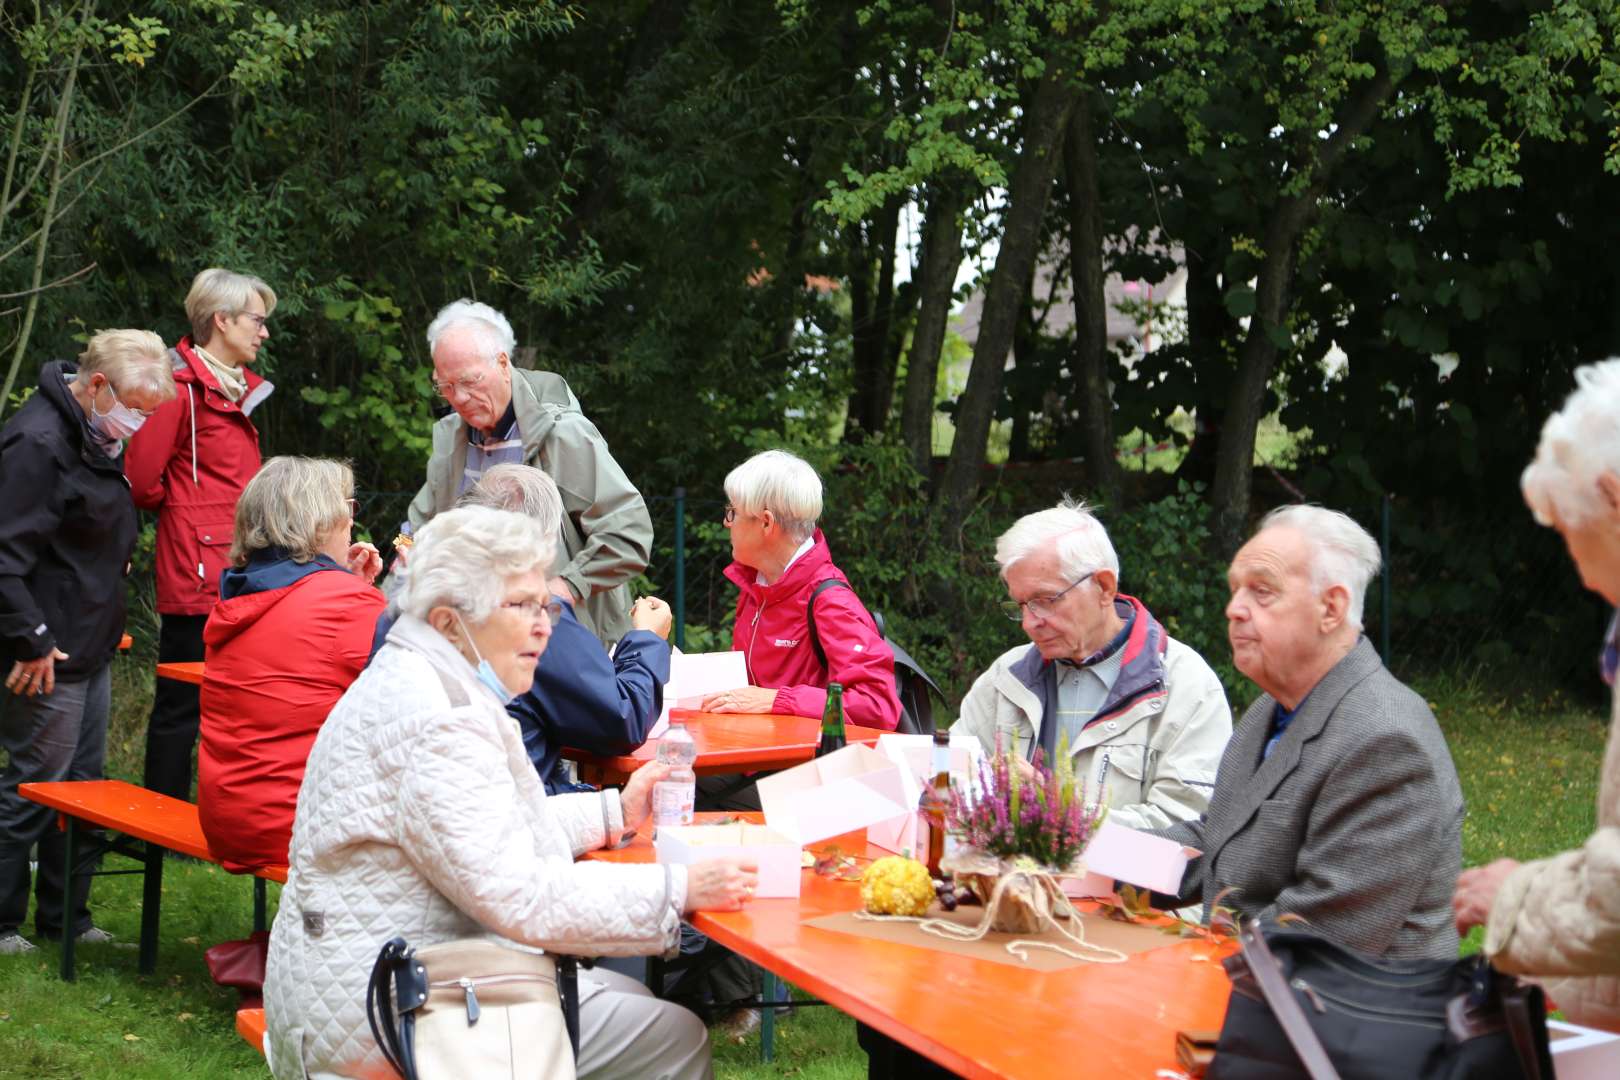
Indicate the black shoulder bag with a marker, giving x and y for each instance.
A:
(911, 682)
(1302, 1007)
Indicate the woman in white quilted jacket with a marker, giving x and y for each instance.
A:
(1559, 919)
(420, 816)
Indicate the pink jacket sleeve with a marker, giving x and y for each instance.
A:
(857, 657)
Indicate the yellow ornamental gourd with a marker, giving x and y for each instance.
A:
(896, 885)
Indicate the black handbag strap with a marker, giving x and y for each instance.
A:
(396, 972)
(1522, 1004)
(568, 991)
(1273, 984)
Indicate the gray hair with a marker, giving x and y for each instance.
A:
(782, 483)
(493, 331)
(1081, 542)
(522, 489)
(464, 557)
(1579, 443)
(131, 360)
(1342, 552)
(214, 291)
(291, 503)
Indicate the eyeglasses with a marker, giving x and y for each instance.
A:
(531, 609)
(732, 514)
(258, 320)
(462, 386)
(144, 414)
(354, 509)
(1042, 607)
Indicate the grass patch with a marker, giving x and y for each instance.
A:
(1529, 769)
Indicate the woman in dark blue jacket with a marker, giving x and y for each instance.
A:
(67, 528)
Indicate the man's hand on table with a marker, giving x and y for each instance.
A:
(744, 699)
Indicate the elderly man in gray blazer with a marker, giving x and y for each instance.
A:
(1336, 799)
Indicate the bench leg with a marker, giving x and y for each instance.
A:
(774, 990)
(151, 907)
(70, 901)
(260, 904)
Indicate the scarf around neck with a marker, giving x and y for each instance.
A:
(232, 383)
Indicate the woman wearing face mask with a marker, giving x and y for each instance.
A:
(296, 576)
(65, 541)
(421, 816)
(190, 465)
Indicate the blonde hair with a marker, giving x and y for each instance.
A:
(131, 360)
(291, 503)
(214, 291)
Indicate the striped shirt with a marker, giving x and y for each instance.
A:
(486, 451)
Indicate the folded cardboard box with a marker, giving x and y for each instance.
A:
(846, 790)
(776, 855)
(1583, 1053)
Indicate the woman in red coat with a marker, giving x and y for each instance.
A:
(291, 631)
(189, 463)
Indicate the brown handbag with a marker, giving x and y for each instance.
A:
(471, 1008)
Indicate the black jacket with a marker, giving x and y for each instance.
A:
(67, 528)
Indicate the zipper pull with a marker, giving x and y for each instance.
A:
(472, 1000)
(1305, 988)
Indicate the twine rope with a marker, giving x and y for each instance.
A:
(1019, 948)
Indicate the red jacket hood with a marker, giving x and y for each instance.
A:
(231, 617)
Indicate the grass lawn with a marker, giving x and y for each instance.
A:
(1529, 770)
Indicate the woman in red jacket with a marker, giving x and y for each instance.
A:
(781, 558)
(189, 463)
(291, 631)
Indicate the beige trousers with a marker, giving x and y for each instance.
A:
(624, 1031)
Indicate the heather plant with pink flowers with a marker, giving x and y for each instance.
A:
(1044, 818)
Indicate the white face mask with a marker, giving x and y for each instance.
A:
(118, 422)
(486, 673)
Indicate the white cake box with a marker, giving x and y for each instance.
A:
(1117, 853)
(776, 855)
(913, 755)
(848, 789)
(1583, 1053)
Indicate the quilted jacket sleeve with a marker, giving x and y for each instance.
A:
(467, 831)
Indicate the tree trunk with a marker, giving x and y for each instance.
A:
(941, 257)
(872, 310)
(1090, 360)
(1257, 357)
(1046, 119)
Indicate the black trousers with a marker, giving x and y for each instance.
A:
(889, 1060)
(171, 733)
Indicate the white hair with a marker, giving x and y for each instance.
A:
(463, 559)
(782, 483)
(1342, 552)
(493, 331)
(1579, 443)
(1078, 538)
(522, 489)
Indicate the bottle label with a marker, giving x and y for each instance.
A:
(672, 802)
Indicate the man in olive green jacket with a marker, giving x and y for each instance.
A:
(506, 414)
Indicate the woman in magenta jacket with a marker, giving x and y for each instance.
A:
(780, 559)
(189, 463)
(291, 631)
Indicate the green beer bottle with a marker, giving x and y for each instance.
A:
(832, 721)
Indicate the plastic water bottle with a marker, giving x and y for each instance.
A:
(672, 797)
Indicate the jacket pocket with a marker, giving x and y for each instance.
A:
(1118, 773)
(213, 555)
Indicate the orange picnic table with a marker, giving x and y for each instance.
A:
(125, 642)
(726, 743)
(976, 1017)
(190, 671)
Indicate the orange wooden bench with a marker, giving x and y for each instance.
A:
(145, 824)
(250, 1025)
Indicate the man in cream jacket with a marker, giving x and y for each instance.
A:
(1143, 717)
